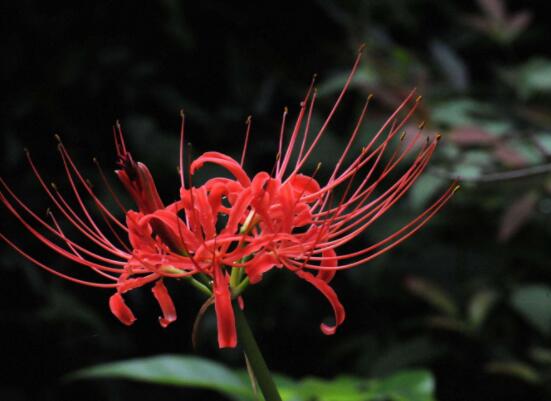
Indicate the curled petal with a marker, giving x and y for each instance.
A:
(121, 310)
(165, 302)
(304, 185)
(224, 161)
(225, 318)
(331, 296)
(329, 260)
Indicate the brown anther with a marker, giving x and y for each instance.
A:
(369, 97)
(438, 136)
(419, 98)
(57, 138)
(403, 136)
(421, 125)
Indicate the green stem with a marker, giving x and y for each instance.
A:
(200, 286)
(256, 360)
(236, 291)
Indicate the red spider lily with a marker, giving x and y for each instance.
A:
(285, 219)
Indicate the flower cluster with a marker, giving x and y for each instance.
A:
(228, 232)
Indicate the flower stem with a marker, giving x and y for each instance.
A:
(255, 358)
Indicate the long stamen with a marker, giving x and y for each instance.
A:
(248, 123)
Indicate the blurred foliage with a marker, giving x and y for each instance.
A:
(467, 298)
(184, 371)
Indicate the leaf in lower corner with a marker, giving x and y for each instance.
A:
(174, 370)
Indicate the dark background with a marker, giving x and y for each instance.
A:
(467, 298)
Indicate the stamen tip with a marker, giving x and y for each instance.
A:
(26, 150)
(369, 97)
(421, 125)
(53, 185)
(57, 138)
(403, 136)
(456, 188)
(361, 48)
(117, 123)
(419, 98)
(285, 110)
(182, 114)
(249, 119)
(438, 136)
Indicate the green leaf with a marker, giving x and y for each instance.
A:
(186, 371)
(533, 302)
(425, 189)
(415, 385)
(480, 306)
(515, 369)
(432, 294)
(173, 370)
(365, 76)
(458, 112)
(402, 354)
(531, 78)
(541, 355)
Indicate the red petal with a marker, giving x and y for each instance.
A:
(331, 296)
(224, 161)
(120, 310)
(165, 302)
(227, 335)
(259, 265)
(327, 275)
(304, 185)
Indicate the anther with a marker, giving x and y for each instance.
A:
(438, 136)
(421, 125)
(361, 48)
(457, 188)
(53, 185)
(403, 136)
(369, 97)
(419, 98)
(57, 138)
(182, 114)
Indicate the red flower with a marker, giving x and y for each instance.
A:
(285, 219)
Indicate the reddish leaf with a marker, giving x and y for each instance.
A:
(471, 136)
(516, 215)
(509, 156)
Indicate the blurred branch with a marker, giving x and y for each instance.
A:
(498, 176)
